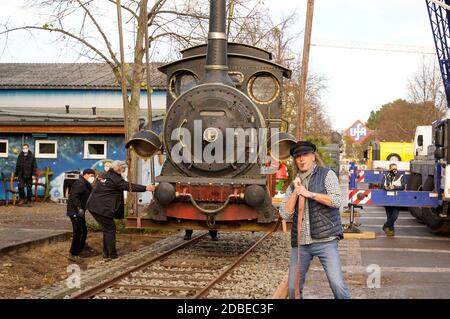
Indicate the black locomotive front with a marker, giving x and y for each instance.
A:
(221, 124)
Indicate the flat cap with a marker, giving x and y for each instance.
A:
(302, 147)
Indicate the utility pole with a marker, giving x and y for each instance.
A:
(304, 71)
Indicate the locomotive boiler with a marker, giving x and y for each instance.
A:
(220, 134)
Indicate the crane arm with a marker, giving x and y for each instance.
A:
(439, 14)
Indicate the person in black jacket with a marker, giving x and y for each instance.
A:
(392, 180)
(76, 207)
(25, 170)
(107, 202)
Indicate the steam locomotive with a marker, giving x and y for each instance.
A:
(220, 133)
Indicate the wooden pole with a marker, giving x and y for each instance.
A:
(304, 71)
(123, 86)
(149, 91)
(282, 290)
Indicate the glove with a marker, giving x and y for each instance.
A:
(81, 213)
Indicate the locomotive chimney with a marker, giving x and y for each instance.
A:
(216, 57)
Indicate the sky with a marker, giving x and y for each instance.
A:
(358, 81)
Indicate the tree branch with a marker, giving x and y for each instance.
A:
(100, 30)
(71, 35)
(126, 8)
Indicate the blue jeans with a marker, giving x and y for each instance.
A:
(392, 213)
(328, 254)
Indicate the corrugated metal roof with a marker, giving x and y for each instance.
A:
(67, 76)
(76, 117)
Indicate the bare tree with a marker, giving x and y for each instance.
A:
(426, 85)
(317, 123)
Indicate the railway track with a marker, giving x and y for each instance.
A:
(190, 270)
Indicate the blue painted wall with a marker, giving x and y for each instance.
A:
(70, 153)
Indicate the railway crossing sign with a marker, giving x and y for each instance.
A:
(358, 132)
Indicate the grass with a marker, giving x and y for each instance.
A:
(120, 228)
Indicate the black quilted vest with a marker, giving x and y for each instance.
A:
(324, 221)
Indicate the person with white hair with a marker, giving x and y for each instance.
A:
(107, 202)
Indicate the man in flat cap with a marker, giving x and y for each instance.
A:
(312, 202)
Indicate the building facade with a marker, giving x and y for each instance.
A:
(71, 115)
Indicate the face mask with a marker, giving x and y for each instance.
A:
(25, 150)
(91, 179)
(394, 171)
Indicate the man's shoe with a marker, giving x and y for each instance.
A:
(187, 237)
(215, 238)
(114, 256)
(388, 231)
(89, 249)
(20, 202)
(75, 258)
(87, 254)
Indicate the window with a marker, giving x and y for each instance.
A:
(181, 82)
(3, 148)
(46, 149)
(263, 88)
(95, 149)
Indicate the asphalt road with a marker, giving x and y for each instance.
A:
(414, 264)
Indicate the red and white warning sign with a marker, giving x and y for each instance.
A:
(360, 197)
(360, 176)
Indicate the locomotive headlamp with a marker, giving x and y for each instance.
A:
(280, 145)
(144, 143)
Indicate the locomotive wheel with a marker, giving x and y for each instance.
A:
(414, 184)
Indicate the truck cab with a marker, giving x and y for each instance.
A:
(423, 139)
(381, 154)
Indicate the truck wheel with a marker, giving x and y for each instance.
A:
(430, 215)
(414, 184)
(431, 219)
(394, 158)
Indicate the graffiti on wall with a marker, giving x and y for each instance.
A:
(70, 157)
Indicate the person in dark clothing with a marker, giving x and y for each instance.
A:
(107, 202)
(392, 181)
(76, 208)
(212, 233)
(25, 170)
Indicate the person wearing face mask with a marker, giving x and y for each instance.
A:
(25, 170)
(392, 181)
(76, 207)
(107, 202)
